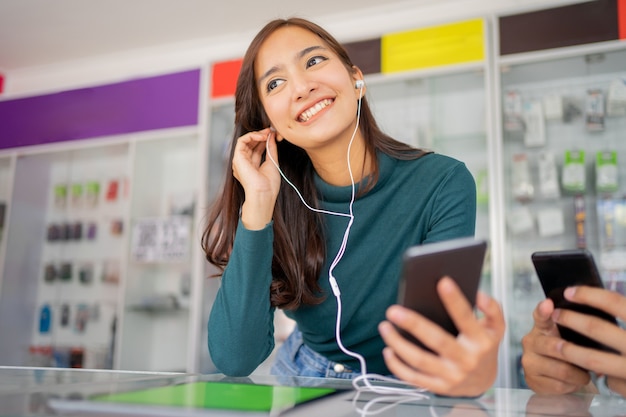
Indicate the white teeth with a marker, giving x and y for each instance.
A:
(307, 114)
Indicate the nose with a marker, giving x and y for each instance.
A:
(302, 87)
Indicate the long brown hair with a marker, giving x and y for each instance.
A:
(299, 242)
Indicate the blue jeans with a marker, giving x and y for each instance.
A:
(294, 358)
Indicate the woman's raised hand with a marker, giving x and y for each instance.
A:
(259, 178)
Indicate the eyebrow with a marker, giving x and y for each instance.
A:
(299, 55)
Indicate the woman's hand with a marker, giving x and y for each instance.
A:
(545, 369)
(465, 365)
(259, 179)
(554, 366)
(612, 365)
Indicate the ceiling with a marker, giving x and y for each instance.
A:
(36, 33)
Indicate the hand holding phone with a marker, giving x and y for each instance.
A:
(558, 270)
(424, 265)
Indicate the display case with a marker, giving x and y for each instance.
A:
(64, 257)
(101, 243)
(563, 123)
(100, 254)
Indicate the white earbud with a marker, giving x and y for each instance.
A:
(359, 84)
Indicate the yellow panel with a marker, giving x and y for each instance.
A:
(434, 46)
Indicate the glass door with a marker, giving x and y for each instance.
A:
(155, 327)
(563, 124)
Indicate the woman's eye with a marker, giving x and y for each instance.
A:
(273, 84)
(314, 61)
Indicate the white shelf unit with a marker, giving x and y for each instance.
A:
(112, 303)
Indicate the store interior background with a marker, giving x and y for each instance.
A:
(164, 178)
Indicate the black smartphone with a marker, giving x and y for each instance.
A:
(560, 269)
(424, 265)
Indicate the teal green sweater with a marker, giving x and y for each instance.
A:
(425, 200)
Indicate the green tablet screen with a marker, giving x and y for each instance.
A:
(219, 395)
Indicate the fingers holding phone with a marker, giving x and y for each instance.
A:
(588, 338)
(546, 371)
(612, 364)
(437, 342)
(465, 364)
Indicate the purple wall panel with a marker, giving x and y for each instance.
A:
(132, 106)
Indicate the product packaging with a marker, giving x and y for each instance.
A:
(574, 177)
(580, 216)
(594, 110)
(523, 189)
(616, 99)
(548, 176)
(553, 107)
(606, 172)
(513, 119)
(535, 134)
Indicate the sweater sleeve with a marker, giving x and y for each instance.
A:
(454, 214)
(241, 323)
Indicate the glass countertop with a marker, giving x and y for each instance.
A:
(70, 392)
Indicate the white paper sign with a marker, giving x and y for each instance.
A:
(161, 239)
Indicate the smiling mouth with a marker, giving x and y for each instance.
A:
(308, 113)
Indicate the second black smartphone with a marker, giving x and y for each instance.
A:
(558, 270)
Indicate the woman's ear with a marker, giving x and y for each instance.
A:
(277, 135)
(359, 83)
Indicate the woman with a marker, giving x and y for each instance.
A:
(299, 101)
(555, 366)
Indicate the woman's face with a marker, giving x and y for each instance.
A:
(306, 90)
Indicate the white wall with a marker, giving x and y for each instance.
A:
(359, 24)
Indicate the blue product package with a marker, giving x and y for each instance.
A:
(45, 319)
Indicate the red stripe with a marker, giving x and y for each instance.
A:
(224, 78)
